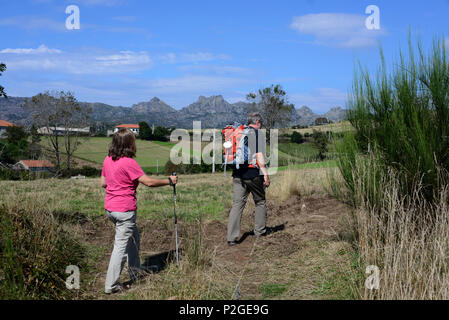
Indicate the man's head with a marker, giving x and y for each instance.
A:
(255, 120)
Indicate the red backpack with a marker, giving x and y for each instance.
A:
(235, 151)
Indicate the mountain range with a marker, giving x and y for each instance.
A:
(213, 112)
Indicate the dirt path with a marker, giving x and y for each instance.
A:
(302, 259)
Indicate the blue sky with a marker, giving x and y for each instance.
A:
(126, 52)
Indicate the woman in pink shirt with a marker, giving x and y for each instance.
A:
(121, 176)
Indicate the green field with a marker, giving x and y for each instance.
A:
(342, 126)
(149, 153)
(153, 153)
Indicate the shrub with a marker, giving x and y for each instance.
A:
(170, 167)
(402, 116)
(86, 171)
(297, 137)
(35, 250)
(16, 175)
(320, 141)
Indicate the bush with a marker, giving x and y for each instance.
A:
(402, 116)
(170, 167)
(297, 137)
(320, 141)
(16, 175)
(35, 250)
(86, 171)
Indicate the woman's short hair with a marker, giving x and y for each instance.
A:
(253, 118)
(123, 145)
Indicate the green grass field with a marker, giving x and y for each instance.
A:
(153, 153)
(294, 153)
(149, 153)
(342, 126)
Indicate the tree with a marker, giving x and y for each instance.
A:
(58, 114)
(145, 131)
(15, 145)
(321, 121)
(2, 90)
(320, 141)
(297, 137)
(35, 149)
(273, 106)
(15, 134)
(161, 133)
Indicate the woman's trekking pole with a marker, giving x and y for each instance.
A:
(176, 219)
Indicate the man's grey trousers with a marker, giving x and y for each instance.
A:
(126, 246)
(242, 188)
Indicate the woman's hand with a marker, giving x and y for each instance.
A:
(103, 182)
(174, 179)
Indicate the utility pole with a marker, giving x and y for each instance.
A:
(213, 154)
(157, 167)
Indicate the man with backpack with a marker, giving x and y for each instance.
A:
(249, 176)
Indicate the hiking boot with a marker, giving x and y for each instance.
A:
(119, 288)
(232, 243)
(267, 232)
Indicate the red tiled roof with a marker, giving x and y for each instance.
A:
(4, 123)
(37, 163)
(129, 126)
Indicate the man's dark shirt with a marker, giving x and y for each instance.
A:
(244, 172)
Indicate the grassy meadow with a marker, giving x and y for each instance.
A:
(149, 152)
(207, 270)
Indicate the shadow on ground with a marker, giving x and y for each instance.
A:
(157, 263)
(270, 230)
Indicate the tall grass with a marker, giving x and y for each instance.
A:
(403, 117)
(35, 249)
(411, 255)
(394, 167)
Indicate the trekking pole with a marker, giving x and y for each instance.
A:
(176, 219)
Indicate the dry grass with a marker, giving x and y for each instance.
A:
(411, 253)
(207, 270)
(197, 277)
(303, 183)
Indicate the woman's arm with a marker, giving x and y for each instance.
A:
(103, 182)
(154, 183)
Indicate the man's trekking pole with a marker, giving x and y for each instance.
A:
(176, 219)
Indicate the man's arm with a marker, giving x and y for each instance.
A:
(154, 183)
(263, 167)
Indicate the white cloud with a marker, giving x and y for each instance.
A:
(319, 100)
(173, 58)
(337, 29)
(80, 62)
(40, 50)
(125, 58)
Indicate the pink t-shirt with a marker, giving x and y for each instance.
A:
(121, 179)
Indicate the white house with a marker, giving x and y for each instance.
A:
(133, 127)
(61, 130)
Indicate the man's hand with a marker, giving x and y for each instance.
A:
(266, 179)
(174, 179)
